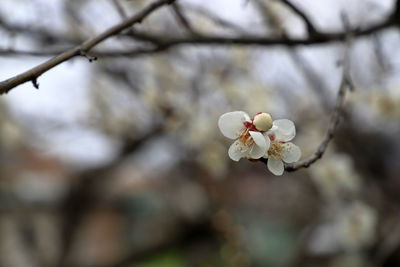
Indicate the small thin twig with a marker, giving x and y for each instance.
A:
(89, 57)
(313, 80)
(93, 55)
(334, 121)
(35, 83)
(182, 18)
(379, 53)
(345, 84)
(310, 26)
(40, 34)
(119, 9)
(335, 118)
(20, 52)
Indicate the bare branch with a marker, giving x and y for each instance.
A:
(215, 18)
(84, 48)
(265, 41)
(334, 121)
(310, 26)
(182, 18)
(119, 9)
(335, 118)
(345, 84)
(18, 52)
(312, 78)
(162, 43)
(40, 34)
(93, 55)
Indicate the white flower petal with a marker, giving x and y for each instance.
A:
(275, 166)
(238, 150)
(261, 145)
(260, 140)
(284, 125)
(291, 153)
(268, 142)
(231, 123)
(256, 152)
(284, 129)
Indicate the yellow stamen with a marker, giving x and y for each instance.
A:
(275, 151)
(246, 138)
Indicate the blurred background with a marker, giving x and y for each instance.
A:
(120, 162)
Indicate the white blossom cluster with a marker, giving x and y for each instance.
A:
(260, 137)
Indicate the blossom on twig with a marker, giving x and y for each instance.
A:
(260, 137)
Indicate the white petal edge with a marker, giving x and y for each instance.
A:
(291, 153)
(256, 152)
(284, 129)
(237, 150)
(231, 124)
(260, 140)
(261, 145)
(275, 166)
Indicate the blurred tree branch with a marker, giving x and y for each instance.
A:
(43, 35)
(346, 83)
(312, 31)
(161, 42)
(119, 9)
(214, 17)
(181, 17)
(81, 50)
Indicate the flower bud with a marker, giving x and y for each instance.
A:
(262, 121)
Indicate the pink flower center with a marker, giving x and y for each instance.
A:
(271, 137)
(250, 126)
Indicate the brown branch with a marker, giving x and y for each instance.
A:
(310, 26)
(94, 54)
(320, 38)
(83, 49)
(345, 84)
(334, 121)
(265, 41)
(161, 43)
(214, 18)
(40, 34)
(19, 52)
(119, 9)
(182, 18)
(335, 118)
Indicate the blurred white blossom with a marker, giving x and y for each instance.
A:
(357, 226)
(351, 229)
(335, 175)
